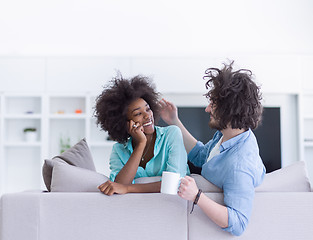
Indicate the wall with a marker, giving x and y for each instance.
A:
(155, 28)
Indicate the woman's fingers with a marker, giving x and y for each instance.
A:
(107, 188)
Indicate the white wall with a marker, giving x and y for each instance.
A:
(155, 28)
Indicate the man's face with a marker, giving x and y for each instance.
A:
(213, 121)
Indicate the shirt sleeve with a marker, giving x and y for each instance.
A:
(177, 156)
(116, 163)
(199, 154)
(238, 198)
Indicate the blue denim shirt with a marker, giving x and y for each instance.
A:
(169, 155)
(237, 170)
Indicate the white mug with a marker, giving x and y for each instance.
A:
(170, 182)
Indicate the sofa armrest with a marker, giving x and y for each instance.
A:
(19, 216)
(284, 215)
(81, 216)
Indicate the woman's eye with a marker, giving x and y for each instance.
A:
(137, 114)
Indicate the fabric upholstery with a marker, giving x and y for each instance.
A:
(284, 215)
(292, 178)
(68, 178)
(95, 216)
(79, 155)
(80, 216)
(148, 179)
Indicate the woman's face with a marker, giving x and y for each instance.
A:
(139, 111)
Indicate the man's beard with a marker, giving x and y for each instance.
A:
(214, 124)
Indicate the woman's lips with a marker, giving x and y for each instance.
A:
(147, 124)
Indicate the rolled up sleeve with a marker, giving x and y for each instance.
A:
(238, 198)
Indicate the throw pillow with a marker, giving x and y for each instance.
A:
(292, 178)
(79, 155)
(68, 178)
(47, 171)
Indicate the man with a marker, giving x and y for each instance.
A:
(230, 160)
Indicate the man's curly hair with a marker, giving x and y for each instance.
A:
(112, 104)
(236, 98)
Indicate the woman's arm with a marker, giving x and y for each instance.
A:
(170, 116)
(109, 188)
(128, 172)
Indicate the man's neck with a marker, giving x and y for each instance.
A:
(229, 133)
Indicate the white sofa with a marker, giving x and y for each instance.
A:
(283, 209)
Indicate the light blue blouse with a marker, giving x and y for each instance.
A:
(238, 169)
(169, 155)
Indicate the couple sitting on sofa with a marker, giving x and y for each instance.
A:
(127, 109)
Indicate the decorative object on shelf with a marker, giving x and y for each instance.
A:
(78, 111)
(30, 134)
(65, 144)
(60, 112)
(29, 112)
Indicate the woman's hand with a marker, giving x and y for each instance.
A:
(109, 188)
(168, 112)
(136, 131)
(188, 189)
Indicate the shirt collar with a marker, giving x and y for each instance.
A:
(231, 142)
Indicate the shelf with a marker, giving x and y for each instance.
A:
(22, 144)
(22, 116)
(68, 116)
(20, 105)
(308, 143)
(308, 117)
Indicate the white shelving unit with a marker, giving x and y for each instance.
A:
(56, 117)
(20, 111)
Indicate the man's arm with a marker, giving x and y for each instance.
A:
(170, 115)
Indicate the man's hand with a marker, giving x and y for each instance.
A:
(168, 112)
(188, 189)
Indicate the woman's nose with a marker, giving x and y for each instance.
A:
(146, 115)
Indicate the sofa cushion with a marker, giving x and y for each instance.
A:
(147, 179)
(204, 184)
(79, 155)
(284, 215)
(292, 178)
(68, 178)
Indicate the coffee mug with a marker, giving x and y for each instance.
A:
(170, 182)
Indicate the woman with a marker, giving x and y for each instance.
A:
(127, 109)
